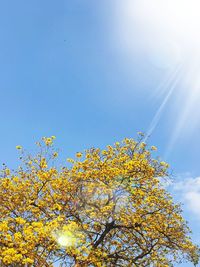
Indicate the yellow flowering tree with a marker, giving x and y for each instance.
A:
(104, 208)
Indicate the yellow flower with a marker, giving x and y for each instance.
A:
(70, 160)
(20, 220)
(7, 171)
(78, 154)
(18, 236)
(27, 260)
(55, 154)
(43, 163)
(8, 237)
(48, 140)
(15, 179)
(4, 226)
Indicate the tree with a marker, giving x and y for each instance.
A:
(105, 208)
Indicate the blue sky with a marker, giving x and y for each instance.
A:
(80, 70)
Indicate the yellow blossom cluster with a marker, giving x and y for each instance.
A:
(108, 208)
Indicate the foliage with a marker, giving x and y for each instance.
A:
(105, 208)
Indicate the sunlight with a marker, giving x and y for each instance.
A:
(168, 33)
(66, 239)
(172, 26)
(171, 29)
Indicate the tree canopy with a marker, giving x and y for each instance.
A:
(104, 208)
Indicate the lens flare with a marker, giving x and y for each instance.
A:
(66, 239)
(67, 235)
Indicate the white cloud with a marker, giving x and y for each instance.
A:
(189, 191)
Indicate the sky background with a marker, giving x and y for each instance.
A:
(94, 72)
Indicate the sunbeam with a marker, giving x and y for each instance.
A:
(189, 117)
(169, 34)
(163, 87)
(171, 85)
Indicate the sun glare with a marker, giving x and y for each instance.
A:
(168, 33)
(177, 22)
(66, 239)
